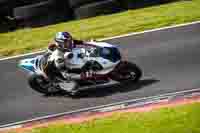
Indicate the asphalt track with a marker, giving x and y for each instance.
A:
(169, 58)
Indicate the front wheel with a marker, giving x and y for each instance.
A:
(39, 84)
(127, 71)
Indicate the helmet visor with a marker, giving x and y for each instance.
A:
(66, 44)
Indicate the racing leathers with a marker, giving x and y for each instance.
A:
(56, 60)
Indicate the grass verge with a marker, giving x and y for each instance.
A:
(181, 119)
(33, 39)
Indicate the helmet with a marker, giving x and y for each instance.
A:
(64, 40)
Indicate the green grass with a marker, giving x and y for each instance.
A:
(32, 39)
(181, 119)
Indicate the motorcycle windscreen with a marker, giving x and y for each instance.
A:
(110, 53)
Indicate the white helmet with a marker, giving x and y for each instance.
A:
(64, 40)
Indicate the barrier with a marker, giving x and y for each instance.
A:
(78, 3)
(97, 8)
(32, 10)
(45, 12)
(42, 13)
(133, 4)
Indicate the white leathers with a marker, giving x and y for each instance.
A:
(57, 56)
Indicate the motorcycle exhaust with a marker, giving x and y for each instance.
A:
(75, 77)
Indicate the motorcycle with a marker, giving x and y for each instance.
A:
(93, 65)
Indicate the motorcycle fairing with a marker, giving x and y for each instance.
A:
(28, 64)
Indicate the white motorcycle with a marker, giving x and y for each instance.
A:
(95, 64)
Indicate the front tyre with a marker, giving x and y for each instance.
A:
(127, 71)
(39, 84)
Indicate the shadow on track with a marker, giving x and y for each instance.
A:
(124, 87)
(106, 91)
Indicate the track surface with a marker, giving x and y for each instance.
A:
(169, 58)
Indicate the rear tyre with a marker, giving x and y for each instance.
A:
(39, 84)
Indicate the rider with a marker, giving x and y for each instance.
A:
(64, 39)
(63, 43)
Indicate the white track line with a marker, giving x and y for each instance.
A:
(152, 30)
(11, 127)
(109, 38)
(20, 123)
(22, 55)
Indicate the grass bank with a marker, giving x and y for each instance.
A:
(33, 39)
(181, 119)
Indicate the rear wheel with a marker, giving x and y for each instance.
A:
(39, 84)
